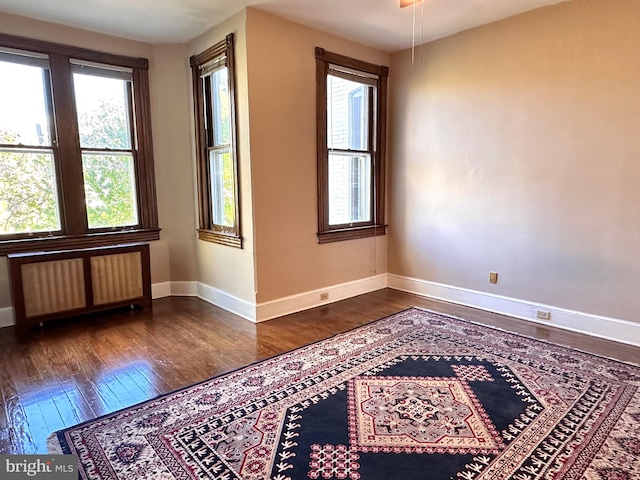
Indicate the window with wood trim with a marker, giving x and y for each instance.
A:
(217, 155)
(351, 103)
(76, 157)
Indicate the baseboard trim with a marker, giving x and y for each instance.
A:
(7, 319)
(303, 301)
(161, 290)
(174, 289)
(608, 328)
(291, 304)
(227, 301)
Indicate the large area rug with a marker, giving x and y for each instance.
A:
(417, 395)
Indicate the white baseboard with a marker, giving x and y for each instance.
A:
(7, 318)
(161, 290)
(175, 289)
(291, 304)
(227, 301)
(615, 329)
(306, 300)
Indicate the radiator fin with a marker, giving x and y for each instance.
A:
(116, 277)
(54, 286)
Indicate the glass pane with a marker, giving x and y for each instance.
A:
(103, 111)
(347, 114)
(223, 204)
(349, 188)
(110, 190)
(23, 112)
(220, 107)
(28, 195)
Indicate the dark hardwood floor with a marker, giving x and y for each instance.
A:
(72, 371)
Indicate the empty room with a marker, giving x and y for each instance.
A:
(337, 239)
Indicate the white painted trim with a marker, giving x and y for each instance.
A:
(184, 289)
(161, 290)
(291, 304)
(7, 318)
(306, 300)
(174, 289)
(622, 331)
(227, 301)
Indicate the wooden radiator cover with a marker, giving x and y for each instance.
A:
(49, 285)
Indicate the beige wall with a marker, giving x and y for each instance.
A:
(514, 148)
(172, 257)
(275, 64)
(229, 269)
(282, 96)
(54, 32)
(171, 113)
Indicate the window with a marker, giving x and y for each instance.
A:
(217, 158)
(76, 162)
(103, 101)
(351, 101)
(29, 201)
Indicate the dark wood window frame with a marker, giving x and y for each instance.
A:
(208, 230)
(334, 233)
(74, 231)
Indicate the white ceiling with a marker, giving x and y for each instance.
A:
(378, 23)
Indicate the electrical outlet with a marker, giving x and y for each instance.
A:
(543, 314)
(324, 296)
(493, 277)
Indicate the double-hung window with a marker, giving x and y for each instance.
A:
(351, 101)
(76, 161)
(104, 101)
(217, 159)
(29, 200)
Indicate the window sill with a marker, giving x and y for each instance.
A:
(340, 235)
(102, 239)
(220, 238)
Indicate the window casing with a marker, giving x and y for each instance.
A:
(75, 171)
(351, 142)
(217, 156)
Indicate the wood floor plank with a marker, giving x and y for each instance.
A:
(19, 432)
(71, 371)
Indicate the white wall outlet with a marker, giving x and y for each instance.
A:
(543, 314)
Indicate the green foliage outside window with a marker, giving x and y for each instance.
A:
(28, 194)
(109, 180)
(109, 190)
(27, 190)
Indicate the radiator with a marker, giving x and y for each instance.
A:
(116, 277)
(51, 285)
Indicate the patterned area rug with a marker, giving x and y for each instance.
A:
(413, 396)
